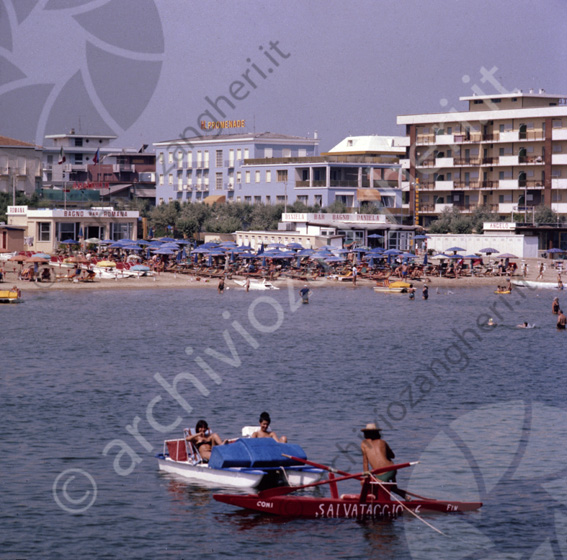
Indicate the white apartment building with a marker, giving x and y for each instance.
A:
(508, 153)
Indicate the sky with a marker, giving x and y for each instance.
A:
(143, 69)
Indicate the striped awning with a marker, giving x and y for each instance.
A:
(213, 198)
(367, 195)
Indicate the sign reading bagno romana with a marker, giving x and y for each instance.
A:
(58, 213)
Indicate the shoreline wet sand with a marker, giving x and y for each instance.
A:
(169, 280)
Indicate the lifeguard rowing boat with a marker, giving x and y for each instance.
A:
(375, 501)
(243, 463)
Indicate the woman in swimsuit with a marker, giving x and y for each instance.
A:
(204, 440)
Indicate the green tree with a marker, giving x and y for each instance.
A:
(163, 216)
(545, 215)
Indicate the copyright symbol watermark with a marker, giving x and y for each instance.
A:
(74, 490)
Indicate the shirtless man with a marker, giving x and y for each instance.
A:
(561, 320)
(264, 431)
(376, 453)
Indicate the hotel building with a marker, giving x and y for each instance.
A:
(507, 153)
(273, 168)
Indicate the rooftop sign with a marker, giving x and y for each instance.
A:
(326, 218)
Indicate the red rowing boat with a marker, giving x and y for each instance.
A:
(375, 501)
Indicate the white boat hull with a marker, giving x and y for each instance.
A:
(216, 477)
(255, 285)
(534, 284)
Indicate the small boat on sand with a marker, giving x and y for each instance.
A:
(534, 284)
(11, 296)
(257, 285)
(375, 501)
(242, 463)
(397, 287)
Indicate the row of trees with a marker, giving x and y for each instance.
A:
(189, 218)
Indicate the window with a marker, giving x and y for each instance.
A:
(179, 160)
(161, 201)
(78, 141)
(257, 200)
(268, 152)
(268, 199)
(218, 181)
(239, 154)
(170, 157)
(268, 176)
(557, 149)
(206, 158)
(318, 200)
(302, 152)
(189, 159)
(239, 176)
(231, 157)
(170, 179)
(303, 199)
(44, 231)
(218, 158)
(199, 158)
(557, 123)
(246, 153)
(248, 176)
(282, 175)
(248, 199)
(160, 157)
(286, 152)
(161, 178)
(279, 199)
(257, 176)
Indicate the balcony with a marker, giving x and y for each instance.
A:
(467, 162)
(509, 136)
(444, 185)
(559, 183)
(444, 162)
(508, 160)
(444, 139)
(405, 163)
(425, 163)
(558, 159)
(520, 184)
(559, 134)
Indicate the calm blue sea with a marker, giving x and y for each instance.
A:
(85, 407)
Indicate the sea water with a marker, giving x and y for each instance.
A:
(93, 382)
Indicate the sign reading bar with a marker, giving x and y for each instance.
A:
(210, 125)
(325, 218)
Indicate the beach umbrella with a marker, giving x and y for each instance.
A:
(167, 239)
(228, 244)
(392, 252)
(555, 250)
(36, 259)
(422, 237)
(93, 240)
(133, 258)
(163, 252)
(69, 242)
(276, 245)
(440, 256)
(375, 236)
(297, 246)
(142, 242)
(507, 256)
(489, 250)
(455, 249)
(106, 242)
(18, 258)
(106, 264)
(42, 255)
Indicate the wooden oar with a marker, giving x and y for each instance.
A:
(407, 508)
(344, 473)
(283, 490)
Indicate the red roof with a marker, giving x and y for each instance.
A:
(5, 141)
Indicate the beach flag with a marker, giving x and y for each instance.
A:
(62, 157)
(96, 157)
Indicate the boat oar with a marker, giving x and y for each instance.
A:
(344, 473)
(407, 508)
(283, 490)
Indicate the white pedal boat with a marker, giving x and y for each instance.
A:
(243, 463)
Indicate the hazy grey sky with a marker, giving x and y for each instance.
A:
(143, 68)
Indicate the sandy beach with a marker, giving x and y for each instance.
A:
(190, 281)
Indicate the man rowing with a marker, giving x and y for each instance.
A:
(376, 453)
